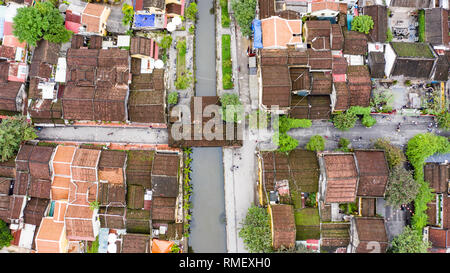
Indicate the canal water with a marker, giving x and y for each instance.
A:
(208, 232)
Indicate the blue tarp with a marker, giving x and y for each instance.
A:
(144, 20)
(257, 34)
(349, 21)
(103, 240)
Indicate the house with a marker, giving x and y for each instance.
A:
(326, 9)
(367, 235)
(334, 237)
(359, 85)
(34, 210)
(436, 28)
(411, 60)
(136, 243)
(266, 8)
(94, 18)
(62, 160)
(111, 167)
(411, 3)
(279, 33)
(282, 225)
(175, 8)
(377, 64)
(380, 22)
(355, 44)
(51, 234)
(373, 173)
(442, 68)
(12, 97)
(98, 84)
(150, 6)
(317, 34)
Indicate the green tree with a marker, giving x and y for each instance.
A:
(191, 11)
(285, 124)
(343, 144)
(344, 121)
(256, 231)
(181, 47)
(409, 241)
(368, 121)
(402, 188)
(12, 132)
(128, 14)
(41, 21)
(173, 97)
(244, 12)
(359, 110)
(389, 35)
(166, 41)
(443, 120)
(232, 102)
(183, 81)
(316, 143)
(192, 29)
(285, 142)
(394, 155)
(94, 205)
(5, 235)
(362, 23)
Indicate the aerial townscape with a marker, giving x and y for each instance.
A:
(224, 126)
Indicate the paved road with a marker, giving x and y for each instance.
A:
(104, 134)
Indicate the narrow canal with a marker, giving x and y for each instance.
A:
(208, 199)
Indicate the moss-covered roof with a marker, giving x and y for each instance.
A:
(418, 50)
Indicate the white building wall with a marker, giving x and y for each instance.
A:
(389, 56)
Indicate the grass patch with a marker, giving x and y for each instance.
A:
(421, 26)
(227, 69)
(412, 50)
(94, 246)
(307, 217)
(225, 16)
(181, 59)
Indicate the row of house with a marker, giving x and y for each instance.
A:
(310, 64)
(57, 198)
(308, 195)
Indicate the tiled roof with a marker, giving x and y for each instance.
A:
(439, 238)
(355, 43)
(34, 210)
(163, 208)
(342, 96)
(39, 188)
(63, 159)
(276, 85)
(373, 173)
(136, 243)
(46, 52)
(380, 22)
(112, 217)
(266, 8)
(10, 91)
(278, 32)
(370, 231)
(337, 38)
(111, 195)
(359, 85)
(436, 26)
(330, 5)
(144, 46)
(48, 236)
(111, 166)
(84, 165)
(438, 176)
(60, 188)
(342, 178)
(283, 226)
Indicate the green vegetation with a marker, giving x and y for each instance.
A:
(183, 81)
(344, 120)
(184, 78)
(402, 188)
(409, 241)
(307, 221)
(175, 248)
(394, 155)
(5, 235)
(227, 69)
(244, 12)
(368, 121)
(41, 21)
(389, 35)
(192, 29)
(94, 205)
(300, 248)
(311, 200)
(12, 132)
(187, 187)
(172, 98)
(94, 246)
(419, 148)
(421, 25)
(256, 231)
(225, 18)
(412, 50)
(359, 110)
(343, 145)
(128, 14)
(316, 143)
(166, 41)
(191, 11)
(181, 48)
(443, 120)
(362, 23)
(380, 100)
(349, 208)
(285, 142)
(232, 102)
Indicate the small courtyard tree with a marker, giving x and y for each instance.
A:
(244, 12)
(402, 188)
(5, 235)
(12, 132)
(256, 231)
(394, 155)
(344, 121)
(443, 120)
(41, 21)
(128, 14)
(409, 241)
(231, 103)
(362, 23)
(191, 11)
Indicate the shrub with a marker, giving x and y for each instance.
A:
(5, 235)
(389, 35)
(12, 132)
(408, 83)
(359, 110)
(368, 121)
(443, 120)
(285, 142)
(166, 41)
(343, 144)
(191, 11)
(181, 47)
(128, 14)
(285, 124)
(316, 143)
(192, 29)
(227, 69)
(402, 188)
(256, 231)
(409, 241)
(244, 12)
(362, 23)
(183, 81)
(225, 18)
(344, 120)
(394, 155)
(173, 98)
(232, 100)
(421, 25)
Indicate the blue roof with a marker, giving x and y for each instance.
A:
(144, 20)
(2, 25)
(438, 158)
(103, 240)
(257, 34)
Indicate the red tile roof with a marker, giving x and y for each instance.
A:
(342, 178)
(283, 226)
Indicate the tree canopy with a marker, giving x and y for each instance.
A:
(5, 235)
(402, 188)
(244, 12)
(394, 155)
(409, 241)
(256, 230)
(344, 121)
(316, 143)
(191, 11)
(362, 23)
(12, 132)
(41, 21)
(443, 120)
(233, 104)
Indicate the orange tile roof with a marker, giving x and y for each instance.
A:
(278, 32)
(48, 239)
(82, 193)
(60, 188)
(342, 178)
(94, 9)
(340, 7)
(64, 154)
(59, 211)
(91, 17)
(10, 40)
